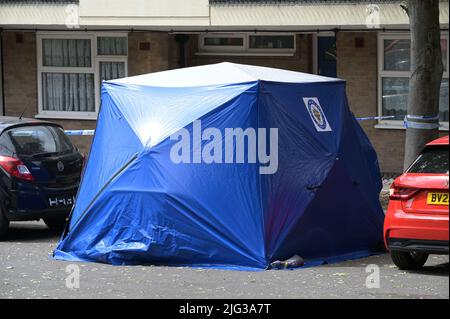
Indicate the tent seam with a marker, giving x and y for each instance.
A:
(263, 213)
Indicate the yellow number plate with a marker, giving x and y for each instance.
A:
(437, 198)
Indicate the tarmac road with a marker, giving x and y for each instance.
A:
(26, 271)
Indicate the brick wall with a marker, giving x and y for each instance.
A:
(358, 66)
(20, 73)
(301, 61)
(159, 55)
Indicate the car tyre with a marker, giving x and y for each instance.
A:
(55, 224)
(4, 224)
(409, 261)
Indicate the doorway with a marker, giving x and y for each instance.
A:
(326, 56)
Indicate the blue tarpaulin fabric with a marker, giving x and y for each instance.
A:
(136, 205)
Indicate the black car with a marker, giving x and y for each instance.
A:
(40, 171)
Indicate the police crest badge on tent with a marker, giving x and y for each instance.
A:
(268, 164)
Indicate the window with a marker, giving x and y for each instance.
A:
(277, 42)
(224, 41)
(394, 74)
(247, 44)
(71, 68)
(433, 160)
(111, 58)
(40, 140)
(6, 146)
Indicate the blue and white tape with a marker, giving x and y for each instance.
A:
(374, 118)
(409, 121)
(421, 122)
(79, 132)
(422, 117)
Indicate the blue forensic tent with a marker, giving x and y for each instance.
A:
(315, 196)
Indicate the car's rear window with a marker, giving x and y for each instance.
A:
(434, 160)
(40, 140)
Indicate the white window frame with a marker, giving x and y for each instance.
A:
(93, 69)
(245, 48)
(398, 124)
(107, 58)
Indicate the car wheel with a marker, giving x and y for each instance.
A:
(409, 261)
(4, 224)
(56, 224)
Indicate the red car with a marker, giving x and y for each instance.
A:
(416, 223)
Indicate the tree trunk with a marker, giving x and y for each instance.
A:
(425, 82)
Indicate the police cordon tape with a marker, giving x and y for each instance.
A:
(370, 118)
(79, 132)
(422, 122)
(407, 123)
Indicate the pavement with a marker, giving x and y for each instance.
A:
(26, 271)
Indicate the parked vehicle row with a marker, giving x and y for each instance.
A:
(40, 172)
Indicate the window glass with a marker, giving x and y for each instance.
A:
(112, 46)
(221, 41)
(432, 161)
(272, 42)
(397, 55)
(37, 140)
(72, 92)
(111, 71)
(66, 52)
(6, 147)
(395, 96)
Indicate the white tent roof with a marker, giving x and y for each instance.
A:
(220, 74)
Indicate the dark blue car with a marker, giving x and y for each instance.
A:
(40, 171)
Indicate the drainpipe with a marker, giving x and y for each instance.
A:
(182, 39)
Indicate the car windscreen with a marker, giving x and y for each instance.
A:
(433, 160)
(40, 140)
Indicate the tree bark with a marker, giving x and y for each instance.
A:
(425, 81)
